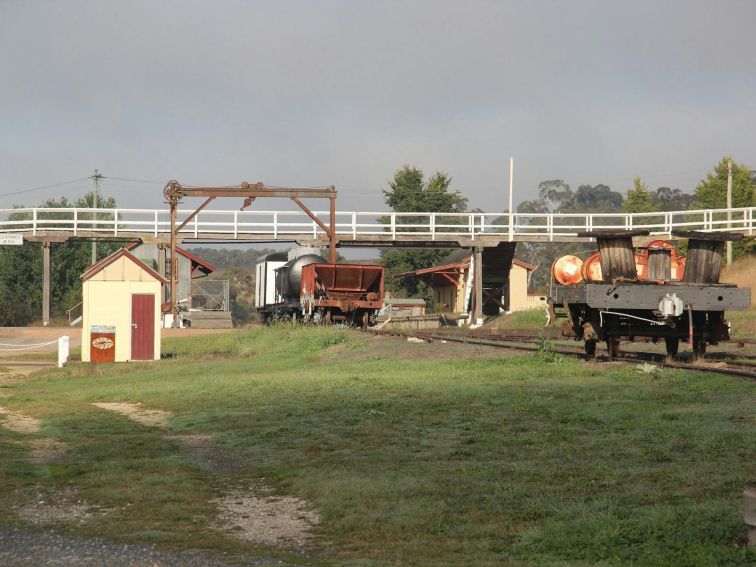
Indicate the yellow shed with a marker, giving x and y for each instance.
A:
(449, 283)
(121, 310)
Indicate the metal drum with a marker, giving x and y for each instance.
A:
(289, 276)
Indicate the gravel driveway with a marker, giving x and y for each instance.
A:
(26, 548)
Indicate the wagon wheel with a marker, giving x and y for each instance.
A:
(699, 347)
(365, 319)
(672, 344)
(328, 317)
(613, 346)
(590, 347)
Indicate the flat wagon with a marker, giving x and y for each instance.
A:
(627, 298)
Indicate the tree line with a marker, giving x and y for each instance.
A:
(409, 192)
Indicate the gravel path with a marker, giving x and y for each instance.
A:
(26, 548)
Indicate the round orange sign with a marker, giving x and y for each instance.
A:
(103, 343)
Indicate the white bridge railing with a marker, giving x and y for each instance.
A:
(283, 225)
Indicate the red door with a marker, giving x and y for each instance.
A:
(142, 326)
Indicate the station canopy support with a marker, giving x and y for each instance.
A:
(174, 193)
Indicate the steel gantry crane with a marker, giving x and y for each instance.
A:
(174, 192)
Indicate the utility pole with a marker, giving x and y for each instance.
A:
(96, 178)
(729, 213)
(511, 212)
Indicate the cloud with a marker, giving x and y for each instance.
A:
(329, 92)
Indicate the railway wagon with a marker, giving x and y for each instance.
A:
(625, 303)
(310, 289)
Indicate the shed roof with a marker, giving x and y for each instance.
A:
(198, 264)
(445, 274)
(122, 252)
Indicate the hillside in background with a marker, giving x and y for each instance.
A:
(743, 274)
(230, 258)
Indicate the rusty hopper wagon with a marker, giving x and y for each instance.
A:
(622, 305)
(310, 289)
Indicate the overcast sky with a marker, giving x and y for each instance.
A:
(345, 92)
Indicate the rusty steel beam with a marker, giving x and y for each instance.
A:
(259, 190)
(313, 216)
(332, 233)
(195, 213)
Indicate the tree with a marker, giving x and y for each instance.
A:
(594, 199)
(408, 193)
(666, 199)
(556, 196)
(21, 267)
(711, 193)
(639, 198)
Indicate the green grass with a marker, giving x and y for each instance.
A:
(743, 322)
(532, 319)
(533, 460)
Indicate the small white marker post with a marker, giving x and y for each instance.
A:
(63, 346)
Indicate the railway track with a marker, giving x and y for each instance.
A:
(533, 343)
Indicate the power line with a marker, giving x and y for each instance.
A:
(44, 187)
(130, 180)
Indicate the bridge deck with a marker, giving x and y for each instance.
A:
(379, 229)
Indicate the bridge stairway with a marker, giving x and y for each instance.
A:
(497, 262)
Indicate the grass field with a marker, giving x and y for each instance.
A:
(411, 454)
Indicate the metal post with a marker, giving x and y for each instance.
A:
(478, 286)
(45, 283)
(332, 231)
(161, 270)
(729, 212)
(174, 266)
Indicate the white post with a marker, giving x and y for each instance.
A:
(63, 346)
(511, 212)
(729, 211)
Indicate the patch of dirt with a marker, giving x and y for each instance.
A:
(46, 506)
(148, 417)
(19, 423)
(202, 447)
(253, 514)
(46, 451)
(378, 347)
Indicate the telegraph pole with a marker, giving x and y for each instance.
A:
(729, 213)
(96, 178)
(511, 212)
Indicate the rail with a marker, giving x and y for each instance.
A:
(284, 225)
(75, 314)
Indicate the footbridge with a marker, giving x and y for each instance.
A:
(478, 231)
(355, 229)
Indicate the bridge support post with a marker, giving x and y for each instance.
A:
(478, 286)
(45, 283)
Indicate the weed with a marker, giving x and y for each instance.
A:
(545, 352)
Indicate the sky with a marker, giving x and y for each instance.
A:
(312, 93)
